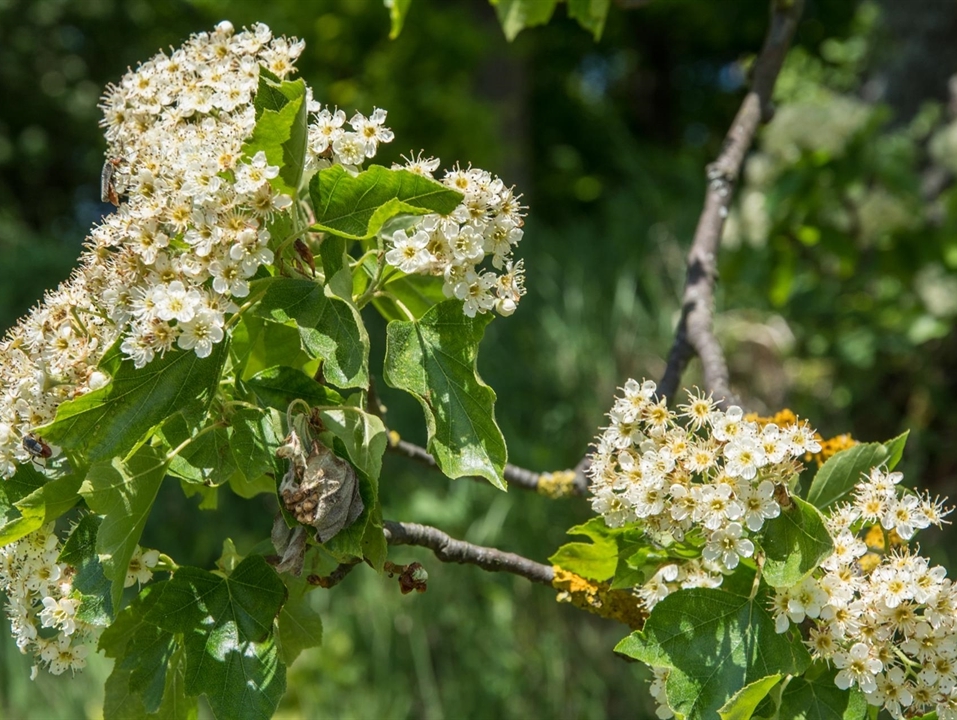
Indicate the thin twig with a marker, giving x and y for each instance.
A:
(448, 549)
(335, 577)
(695, 332)
(550, 484)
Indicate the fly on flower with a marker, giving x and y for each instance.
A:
(107, 188)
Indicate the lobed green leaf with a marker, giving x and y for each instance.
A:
(110, 421)
(434, 359)
(123, 492)
(281, 130)
(48, 502)
(227, 623)
(794, 543)
(355, 208)
(716, 642)
(90, 580)
(300, 626)
(278, 386)
(743, 703)
(329, 324)
(816, 697)
(841, 472)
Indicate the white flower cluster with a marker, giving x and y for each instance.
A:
(164, 268)
(40, 595)
(488, 222)
(886, 619)
(192, 231)
(702, 469)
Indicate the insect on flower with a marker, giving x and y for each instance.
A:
(36, 447)
(107, 189)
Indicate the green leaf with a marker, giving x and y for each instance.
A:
(716, 642)
(330, 326)
(820, 699)
(260, 345)
(278, 386)
(254, 437)
(375, 549)
(419, 294)
(110, 421)
(362, 434)
(79, 551)
(593, 561)
(231, 656)
(26, 480)
(356, 207)
(46, 503)
(596, 560)
(300, 626)
(743, 703)
(207, 459)
(590, 14)
(516, 15)
(280, 130)
(397, 12)
(841, 472)
(434, 359)
(147, 679)
(794, 543)
(123, 492)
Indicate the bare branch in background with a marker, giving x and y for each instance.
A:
(448, 549)
(562, 483)
(695, 331)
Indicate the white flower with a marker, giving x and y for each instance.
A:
(372, 130)
(759, 505)
(201, 333)
(409, 253)
(857, 666)
(59, 613)
(350, 148)
(727, 546)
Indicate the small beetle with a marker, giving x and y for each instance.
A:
(107, 189)
(36, 447)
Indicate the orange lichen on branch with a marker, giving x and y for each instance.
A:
(829, 447)
(599, 598)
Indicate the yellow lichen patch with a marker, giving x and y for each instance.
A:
(598, 598)
(874, 538)
(557, 484)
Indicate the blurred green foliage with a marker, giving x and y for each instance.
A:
(837, 291)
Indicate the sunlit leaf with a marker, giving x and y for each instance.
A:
(329, 324)
(357, 207)
(434, 359)
(590, 14)
(841, 472)
(744, 702)
(123, 492)
(227, 623)
(794, 543)
(716, 642)
(280, 130)
(516, 15)
(111, 420)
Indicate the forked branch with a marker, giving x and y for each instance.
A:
(695, 332)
